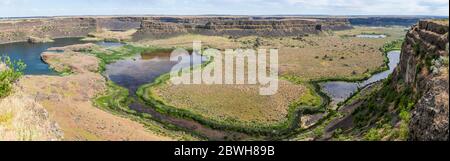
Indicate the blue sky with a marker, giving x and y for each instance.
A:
(21, 8)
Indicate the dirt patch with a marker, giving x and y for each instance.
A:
(107, 35)
(80, 63)
(75, 48)
(68, 101)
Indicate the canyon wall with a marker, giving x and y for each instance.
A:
(23, 29)
(424, 68)
(120, 23)
(163, 26)
(238, 26)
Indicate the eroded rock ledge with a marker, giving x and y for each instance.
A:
(413, 104)
(238, 26)
(156, 26)
(422, 68)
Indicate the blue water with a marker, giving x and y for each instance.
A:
(30, 54)
(340, 90)
(371, 36)
(144, 68)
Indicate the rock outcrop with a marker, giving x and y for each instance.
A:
(35, 40)
(59, 27)
(73, 60)
(413, 103)
(238, 26)
(157, 26)
(23, 29)
(424, 68)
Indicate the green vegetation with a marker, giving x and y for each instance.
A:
(376, 134)
(112, 55)
(66, 71)
(10, 73)
(378, 115)
(387, 47)
(255, 129)
(313, 101)
(373, 33)
(310, 98)
(393, 45)
(116, 98)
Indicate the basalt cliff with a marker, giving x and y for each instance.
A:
(424, 69)
(60, 27)
(413, 103)
(45, 29)
(238, 26)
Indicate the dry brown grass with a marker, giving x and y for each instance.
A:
(68, 100)
(241, 103)
(106, 35)
(185, 41)
(79, 62)
(329, 55)
(23, 119)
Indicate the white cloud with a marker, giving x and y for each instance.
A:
(384, 7)
(251, 7)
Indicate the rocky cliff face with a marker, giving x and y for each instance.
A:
(237, 26)
(120, 23)
(424, 69)
(156, 27)
(24, 29)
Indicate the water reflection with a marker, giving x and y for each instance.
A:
(340, 91)
(30, 54)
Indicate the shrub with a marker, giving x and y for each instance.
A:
(11, 73)
(372, 135)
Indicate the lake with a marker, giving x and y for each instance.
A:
(30, 54)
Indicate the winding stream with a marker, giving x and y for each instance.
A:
(371, 36)
(146, 67)
(340, 90)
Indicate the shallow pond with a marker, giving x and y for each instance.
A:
(371, 36)
(30, 54)
(340, 91)
(145, 68)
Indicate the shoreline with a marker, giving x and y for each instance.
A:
(286, 128)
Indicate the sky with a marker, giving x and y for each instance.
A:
(25, 8)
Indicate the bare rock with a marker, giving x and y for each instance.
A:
(35, 40)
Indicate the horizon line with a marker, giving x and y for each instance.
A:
(255, 15)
